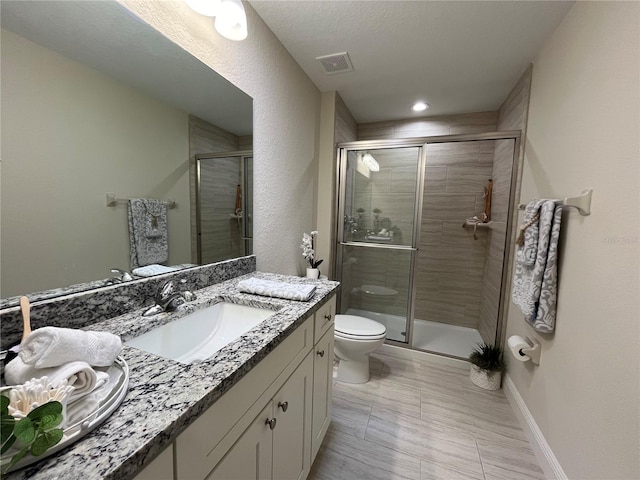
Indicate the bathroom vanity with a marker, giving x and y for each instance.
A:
(259, 408)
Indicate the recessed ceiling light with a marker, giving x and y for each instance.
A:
(419, 106)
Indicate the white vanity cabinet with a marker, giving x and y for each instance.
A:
(322, 374)
(271, 423)
(275, 444)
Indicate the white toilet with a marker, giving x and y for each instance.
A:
(356, 337)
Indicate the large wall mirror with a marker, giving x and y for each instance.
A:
(96, 102)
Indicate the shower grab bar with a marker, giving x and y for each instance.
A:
(112, 201)
(582, 202)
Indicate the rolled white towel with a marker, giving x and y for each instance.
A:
(79, 375)
(53, 346)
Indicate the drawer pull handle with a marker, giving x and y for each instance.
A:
(271, 422)
(327, 317)
(320, 353)
(283, 406)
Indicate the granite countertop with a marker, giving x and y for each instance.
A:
(164, 396)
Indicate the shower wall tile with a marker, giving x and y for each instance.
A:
(429, 126)
(450, 262)
(512, 115)
(435, 179)
(448, 206)
(403, 180)
(463, 179)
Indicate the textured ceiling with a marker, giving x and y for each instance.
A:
(457, 56)
(105, 36)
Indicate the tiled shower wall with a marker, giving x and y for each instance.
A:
(512, 115)
(450, 261)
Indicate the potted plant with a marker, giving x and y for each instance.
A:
(309, 253)
(487, 365)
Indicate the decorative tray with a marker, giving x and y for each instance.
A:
(87, 420)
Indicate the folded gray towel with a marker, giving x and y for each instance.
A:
(269, 288)
(535, 285)
(148, 231)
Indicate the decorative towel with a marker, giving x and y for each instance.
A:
(153, 269)
(79, 409)
(268, 288)
(535, 285)
(148, 231)
(79, 375)
(53, 346)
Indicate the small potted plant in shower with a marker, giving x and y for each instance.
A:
(309, 253)
(487, 365)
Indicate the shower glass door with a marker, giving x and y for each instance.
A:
(224, 206)
(377, 234)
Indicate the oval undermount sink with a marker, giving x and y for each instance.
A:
(199, 335)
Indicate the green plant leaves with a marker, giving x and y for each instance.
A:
(36, 431)
(49, 408)
(45, 441)
(7, 423)
(4, 405)
(24, 430)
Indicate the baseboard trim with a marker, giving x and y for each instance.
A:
(548, 461)
(403, 352)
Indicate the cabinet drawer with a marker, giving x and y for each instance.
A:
(201, 446)
(324, 318)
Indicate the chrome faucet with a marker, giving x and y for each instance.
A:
(121, 277)
(168, 299)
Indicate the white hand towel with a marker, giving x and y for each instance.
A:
(269, 288)
(80, 409)
(53, 346)
(79, 375)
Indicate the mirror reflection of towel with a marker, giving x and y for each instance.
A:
(148, 231)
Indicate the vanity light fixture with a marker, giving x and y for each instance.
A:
(419, 106)
(371, 162)
(231, 19)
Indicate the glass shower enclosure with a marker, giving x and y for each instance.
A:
(224, 205)
(406, 254)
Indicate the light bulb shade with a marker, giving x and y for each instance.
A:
(371, 162)
(209, 8)
(231, 20)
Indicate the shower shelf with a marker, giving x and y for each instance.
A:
(479, 226)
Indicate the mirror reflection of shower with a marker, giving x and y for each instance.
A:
(224, 213)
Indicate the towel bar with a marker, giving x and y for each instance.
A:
(582, 202)
(112, 201)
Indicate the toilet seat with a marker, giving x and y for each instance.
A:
(358, 328)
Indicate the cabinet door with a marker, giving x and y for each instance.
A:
(292, 411)
(322, 390)
(250, 457)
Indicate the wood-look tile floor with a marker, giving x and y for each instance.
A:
(422, 421)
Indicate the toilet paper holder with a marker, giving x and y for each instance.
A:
(533, 352)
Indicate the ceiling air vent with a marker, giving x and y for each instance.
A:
(336, 63)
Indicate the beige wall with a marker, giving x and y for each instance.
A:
(59, 160)
(583, 133)
(286, 116)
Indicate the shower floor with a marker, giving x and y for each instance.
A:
(427, 335)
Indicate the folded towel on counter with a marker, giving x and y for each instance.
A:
(153, 269)
(269, 288)
(79, 375)
(79, 409)
(53, 346)
(535, 285)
